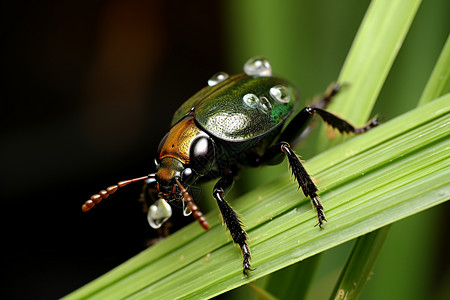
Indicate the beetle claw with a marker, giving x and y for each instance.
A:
(246, 269)
(321, 219)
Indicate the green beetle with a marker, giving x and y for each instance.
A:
(247, 119)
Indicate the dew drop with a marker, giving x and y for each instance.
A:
(186, 210)
(258, 66)
(217, 78)
(280, 93)
(158, 213)
(251, 100)
(265, 105)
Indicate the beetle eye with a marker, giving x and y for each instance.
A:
(202, 155)
(188, 176)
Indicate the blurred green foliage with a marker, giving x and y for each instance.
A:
(307, 42)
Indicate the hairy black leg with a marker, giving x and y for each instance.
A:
(298, 127)
(299, 123)
(304, 180)
(333, 120)
(340, 124)
(232, 221)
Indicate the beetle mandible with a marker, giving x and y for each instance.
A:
(247, 119)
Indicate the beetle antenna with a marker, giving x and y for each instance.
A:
(196, 213)
(105, 193)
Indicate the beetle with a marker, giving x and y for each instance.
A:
(248, 119)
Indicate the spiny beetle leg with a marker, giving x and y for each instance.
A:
(232, 221)
(340, 124)
(304, 180)
(333, 120)
(298, 126)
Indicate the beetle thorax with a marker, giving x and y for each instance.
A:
(179, 140)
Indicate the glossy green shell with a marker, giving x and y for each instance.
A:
(241, 107)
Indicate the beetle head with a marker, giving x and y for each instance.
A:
(184, 154)
(169, 170)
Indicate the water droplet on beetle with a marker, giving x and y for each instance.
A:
(280, 93)
(258, 66)
(251, 100)
(186, 210)
(158, 213)
(218, 78)
(265, 105)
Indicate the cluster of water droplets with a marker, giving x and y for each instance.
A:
(257, 66)
(261, 103)
(160, 211)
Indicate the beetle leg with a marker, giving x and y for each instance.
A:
(298, 127)
(340, 124)
(333, 120)
(301, 120)
(304, 180)
(231, 219)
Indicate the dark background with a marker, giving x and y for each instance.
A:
(88, 91)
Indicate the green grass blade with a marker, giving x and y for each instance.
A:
(372, 180)
(371, 56)
(359, 265)
(439, 82)
(262, 293)
(366, 250)
(293, 282)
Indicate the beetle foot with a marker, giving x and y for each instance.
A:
(321, 218)
(246, 259)
(246, 268)
(319, 208)
(374, 122)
